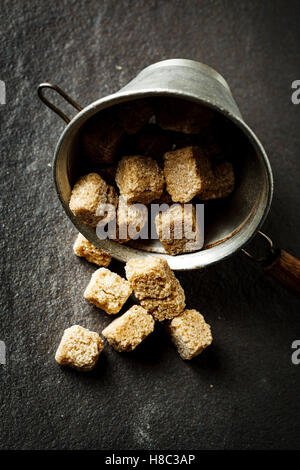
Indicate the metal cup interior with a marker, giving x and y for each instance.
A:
(229, 223)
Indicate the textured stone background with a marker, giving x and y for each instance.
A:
(244, 391)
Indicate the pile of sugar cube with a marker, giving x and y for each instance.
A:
(161, 298)
(127, 159)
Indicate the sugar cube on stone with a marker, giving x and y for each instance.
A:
(130, 329)
(156, 286)
(190, 333)
(150, 277)
(107, 290)
(169, 307)
(79, 348)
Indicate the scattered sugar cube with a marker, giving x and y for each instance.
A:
(130, 329)
(101, 137)
(139, 179)
(167, 308)
(79, 348)
(156, 286)
(222, 184)
(88, 194)
(150, 276)
(132, 116)
(190, 333)
(85, 249)
(182, 116)
(107, 290)
(178, 229)
(187, 172)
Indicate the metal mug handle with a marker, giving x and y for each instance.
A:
(280, 265)
(62, 93)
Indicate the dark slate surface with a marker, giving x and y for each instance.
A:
(244, 391)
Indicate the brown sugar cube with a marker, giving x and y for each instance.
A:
(139, 179)
(166, 308)
(156, 286)
(130, 329)
(182, 116)
(187, 172)
(132, 116)
(107, 291)
(178, 229)
(131, 218)
(101, 137)
(222, 184)
(79, 348)
(85, 249)
(190, 333)
(88, 194)
(150, 277)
